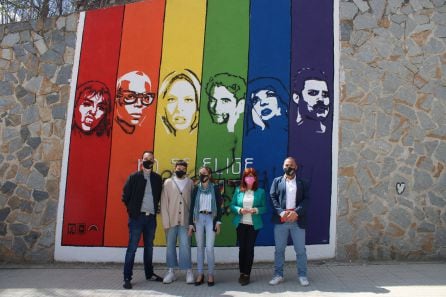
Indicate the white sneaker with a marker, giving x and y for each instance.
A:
(276, 280)
(169, 277)
(303, 281)
(189, 277)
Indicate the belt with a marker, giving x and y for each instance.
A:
(205, 212)
(145, 213)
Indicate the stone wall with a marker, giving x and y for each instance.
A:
(35, 70)
(392, 146)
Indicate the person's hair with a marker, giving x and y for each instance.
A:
(181, 163)
(234, 84)
(271, 84)
(291, 158)
(167, 83)
(90, 89)
(147, 152)
(243, 185)
(305, 74)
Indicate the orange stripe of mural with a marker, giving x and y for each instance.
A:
(135, 104)
(179, 91)
(86, 188)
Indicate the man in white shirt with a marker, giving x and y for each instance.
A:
(289, 196)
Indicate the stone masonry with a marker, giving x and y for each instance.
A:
(36, 61)
(392, 131)
(392, 143)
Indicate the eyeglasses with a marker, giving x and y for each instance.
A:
(131, 97)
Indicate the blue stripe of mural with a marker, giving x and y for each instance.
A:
(311, 108)
(266, 119)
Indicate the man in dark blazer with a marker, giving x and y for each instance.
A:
(289, 196)
(141, 199)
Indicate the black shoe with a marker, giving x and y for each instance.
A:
(211, 283)
(155, 278)
(127, 285)
(200, 280)
(245, 280)
(240, 278)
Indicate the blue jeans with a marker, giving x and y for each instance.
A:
(205, 225)
(173, 233)
(146, 225)
(281, 232)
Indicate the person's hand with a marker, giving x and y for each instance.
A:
(191, 230)
(217, 228)
(244, 211)
(292, 216)
(253, 211)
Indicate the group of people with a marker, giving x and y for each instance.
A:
(188, 208)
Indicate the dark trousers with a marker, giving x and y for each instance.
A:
(246, 237)
(146, 225)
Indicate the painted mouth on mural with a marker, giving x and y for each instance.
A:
(179, 120)
(266, 112)
(136, 115)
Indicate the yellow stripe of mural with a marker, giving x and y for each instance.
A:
(179, 90)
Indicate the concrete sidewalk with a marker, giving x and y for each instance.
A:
(327, 279)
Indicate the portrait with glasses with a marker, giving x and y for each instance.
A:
(133, 96)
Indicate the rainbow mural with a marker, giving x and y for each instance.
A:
(228, 84)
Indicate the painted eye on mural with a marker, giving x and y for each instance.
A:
(101, 107)
(324, 94)
(255, 100)
(313, 92)
(132, 97)
(171, 99)
(87, 103)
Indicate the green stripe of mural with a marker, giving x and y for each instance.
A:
(225, 66)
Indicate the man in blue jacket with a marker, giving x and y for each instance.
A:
(289, 196)
(141, 196)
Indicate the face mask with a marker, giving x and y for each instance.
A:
(147, 164)
(180, 173)
(289, 171)
(204, 178)
(250, 180)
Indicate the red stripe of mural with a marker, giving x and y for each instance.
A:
(88, 163)
(134, 121)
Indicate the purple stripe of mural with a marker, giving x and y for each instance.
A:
(311, 108)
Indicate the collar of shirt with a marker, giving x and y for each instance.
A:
(288, 179)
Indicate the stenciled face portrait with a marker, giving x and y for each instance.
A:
(134, 95)
(222, 105)
(265, 104)
(92, 108)
(89, 112)
(315, 101)
(181, 107)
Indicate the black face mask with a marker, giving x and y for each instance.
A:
(204, 178)
(289, 171)
(147, 164)
(180, 173)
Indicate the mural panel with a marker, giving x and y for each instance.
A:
(227, 84)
